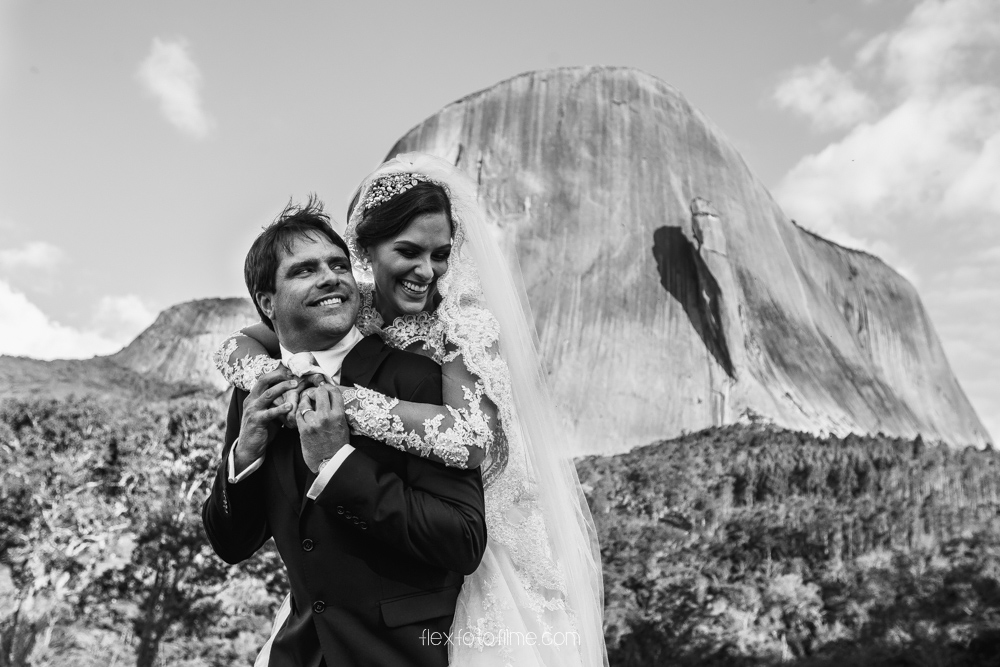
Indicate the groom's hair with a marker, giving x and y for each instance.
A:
(261, 266)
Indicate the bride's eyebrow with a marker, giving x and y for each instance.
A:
(402, 243)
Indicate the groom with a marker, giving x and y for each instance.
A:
(375, 541)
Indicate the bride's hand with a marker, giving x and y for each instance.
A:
(292, 396)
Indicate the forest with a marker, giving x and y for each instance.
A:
(750, 545)
(743, 545)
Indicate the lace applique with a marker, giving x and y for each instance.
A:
(405, 330)
(244, 371)
(369, 320)
(370, 413)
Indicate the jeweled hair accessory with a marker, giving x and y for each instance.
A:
(386, 187)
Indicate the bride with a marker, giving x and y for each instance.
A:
(433, 281)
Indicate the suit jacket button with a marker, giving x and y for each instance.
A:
(307, 544)
(319, 606)
(340, 510)
(355, 519)
(362, 525)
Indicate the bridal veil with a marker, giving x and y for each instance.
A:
(537, 597)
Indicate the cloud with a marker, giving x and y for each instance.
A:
(122, 317)
(915, 180)
(824, 95)
(171, 75)
(941, 41)
(901, 167)
(974, 190)
(27, 331)
(37, 255)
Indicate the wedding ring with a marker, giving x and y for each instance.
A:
(302, 413)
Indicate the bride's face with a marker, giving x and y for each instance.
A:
(407, 266)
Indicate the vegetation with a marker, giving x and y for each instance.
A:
(746, 545)
(103, 559)
(750, 545)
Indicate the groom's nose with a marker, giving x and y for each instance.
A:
(327, 276)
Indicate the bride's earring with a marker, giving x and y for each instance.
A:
(364, 261)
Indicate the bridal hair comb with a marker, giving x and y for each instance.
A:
(386, 187)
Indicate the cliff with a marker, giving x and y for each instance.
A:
(178, 346)
(172, 357)
(670, 292)
(26, 378)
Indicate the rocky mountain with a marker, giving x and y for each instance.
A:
(25, 378)
(172, 357)
(670, 292)
(178, 346)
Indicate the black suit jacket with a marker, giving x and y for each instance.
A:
(376, 561)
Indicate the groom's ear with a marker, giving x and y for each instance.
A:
(266, 302)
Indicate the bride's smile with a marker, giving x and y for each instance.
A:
(406, 267)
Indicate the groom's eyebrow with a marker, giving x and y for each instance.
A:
(301, 264)
(314, 262)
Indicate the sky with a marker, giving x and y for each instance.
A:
(143, 145)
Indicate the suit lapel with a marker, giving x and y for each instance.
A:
(363, 361)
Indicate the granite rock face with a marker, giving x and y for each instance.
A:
(670, 292)
(178, 346)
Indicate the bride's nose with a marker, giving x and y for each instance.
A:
(423, 269)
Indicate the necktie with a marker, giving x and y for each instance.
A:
(300, 364)
(303, 363)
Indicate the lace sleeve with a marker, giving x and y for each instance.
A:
(242, 359)
(458, 434)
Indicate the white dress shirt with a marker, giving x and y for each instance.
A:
(329, 362)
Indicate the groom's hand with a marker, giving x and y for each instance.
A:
(292, 396)
(322, 423)
(261, 416)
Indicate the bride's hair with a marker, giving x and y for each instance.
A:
(391, 217)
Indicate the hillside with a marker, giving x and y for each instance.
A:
(743, 546)
(178, 346)
(171, 358)
(21, 377)
(750, 545)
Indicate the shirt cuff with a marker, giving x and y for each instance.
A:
(328, 471)
(233, 477)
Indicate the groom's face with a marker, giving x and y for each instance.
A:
(315, 299)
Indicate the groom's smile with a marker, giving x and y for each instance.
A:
(315, 300)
